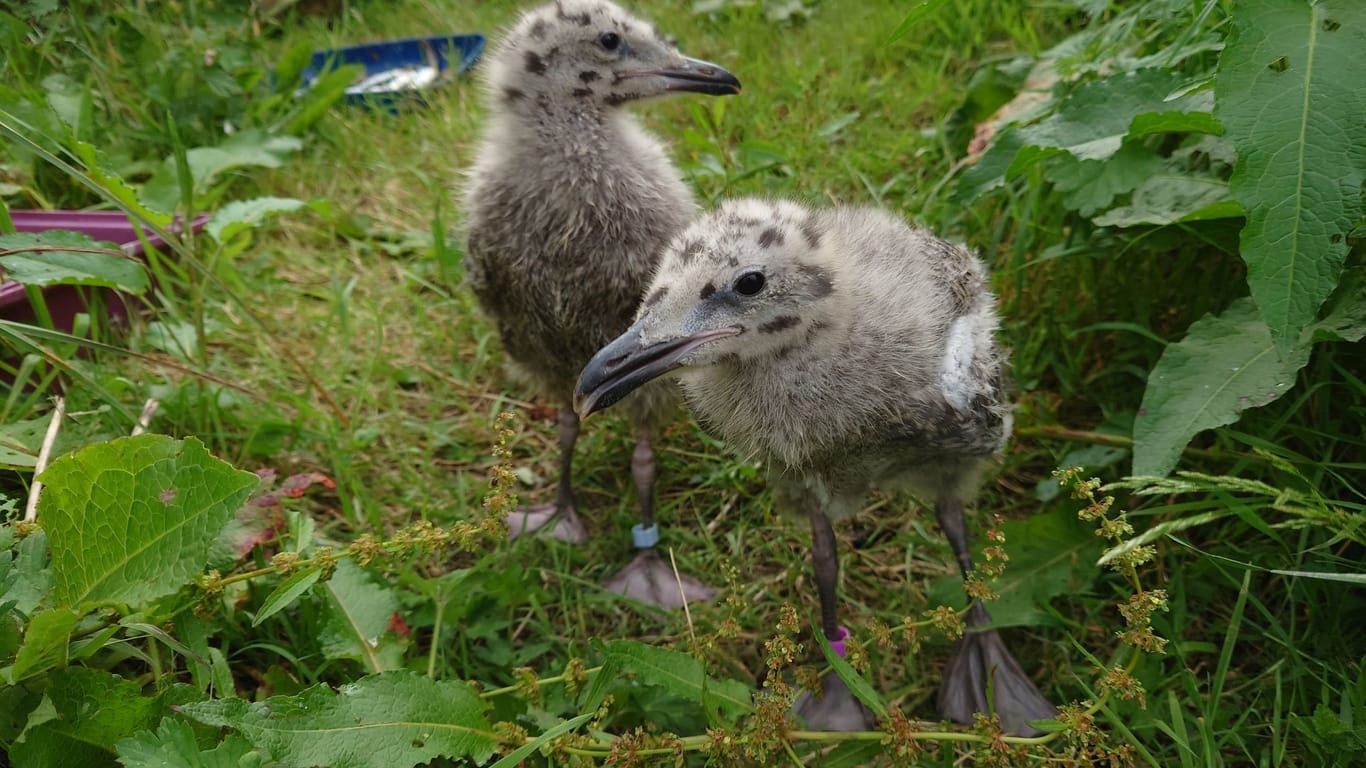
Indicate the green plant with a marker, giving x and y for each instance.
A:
(320, 330)
(1156, 145)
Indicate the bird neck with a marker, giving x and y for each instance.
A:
(579, 131)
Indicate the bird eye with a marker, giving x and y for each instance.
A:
(609, 40)
(749, 283)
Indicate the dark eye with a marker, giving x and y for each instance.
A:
(749, 283)
(609, 40)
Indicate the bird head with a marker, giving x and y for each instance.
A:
(597, 53)
(743, 283)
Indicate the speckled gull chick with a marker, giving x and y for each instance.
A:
(568, 205)
(851, 352)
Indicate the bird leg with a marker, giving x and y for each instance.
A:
(835, 708)
(648, 578)
(980, 658)
(564, 523)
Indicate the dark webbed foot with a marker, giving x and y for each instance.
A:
(651, 580)
(982, 656)
(835, 709)
(547, 520)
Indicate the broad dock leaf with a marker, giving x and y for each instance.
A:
(132, 519)
(88, 711)
(1225, 365)
(1289, 94)
(60, 257)
(358, 613)
(390, 720)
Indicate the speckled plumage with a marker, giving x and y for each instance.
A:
(851, 352)
(569, 200)
(839, 377)
(568, 205)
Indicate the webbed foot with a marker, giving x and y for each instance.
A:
(547, 520)
(836, 709)
(983, 656)
(649, 579)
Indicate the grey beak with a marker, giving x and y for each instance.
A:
(697, 76)
(626, 364)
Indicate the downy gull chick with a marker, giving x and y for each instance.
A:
(568, 205)
(851, 352)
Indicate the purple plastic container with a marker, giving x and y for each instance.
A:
(64, 302)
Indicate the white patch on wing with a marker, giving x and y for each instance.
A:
(956, 374)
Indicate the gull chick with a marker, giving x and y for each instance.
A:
(851, 352)
(568, 205)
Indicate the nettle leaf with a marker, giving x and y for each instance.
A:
(358, 613)
(173, 745)
(1289, 95)
(388, 720)
(1225, 365)
(1050, 554)
(132, 519)
(85, 712)
(60, 257)
(681, 675)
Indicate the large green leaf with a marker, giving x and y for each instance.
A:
(46, 639)
(248, 149)
(358, 613)
(681, 675)
(1289, 94)
(83, 714)
(1090, 185)
(59, 257)
(390, 720)
(1171, 197)
(1225, 365)
(132, 519)
(173, 745)
(1093, 120)
(1051, 554)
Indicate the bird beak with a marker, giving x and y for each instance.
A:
(697, 76)
(627, 363)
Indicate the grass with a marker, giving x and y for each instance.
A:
(409, 383)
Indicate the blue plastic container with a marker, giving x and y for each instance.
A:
(398, 71)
